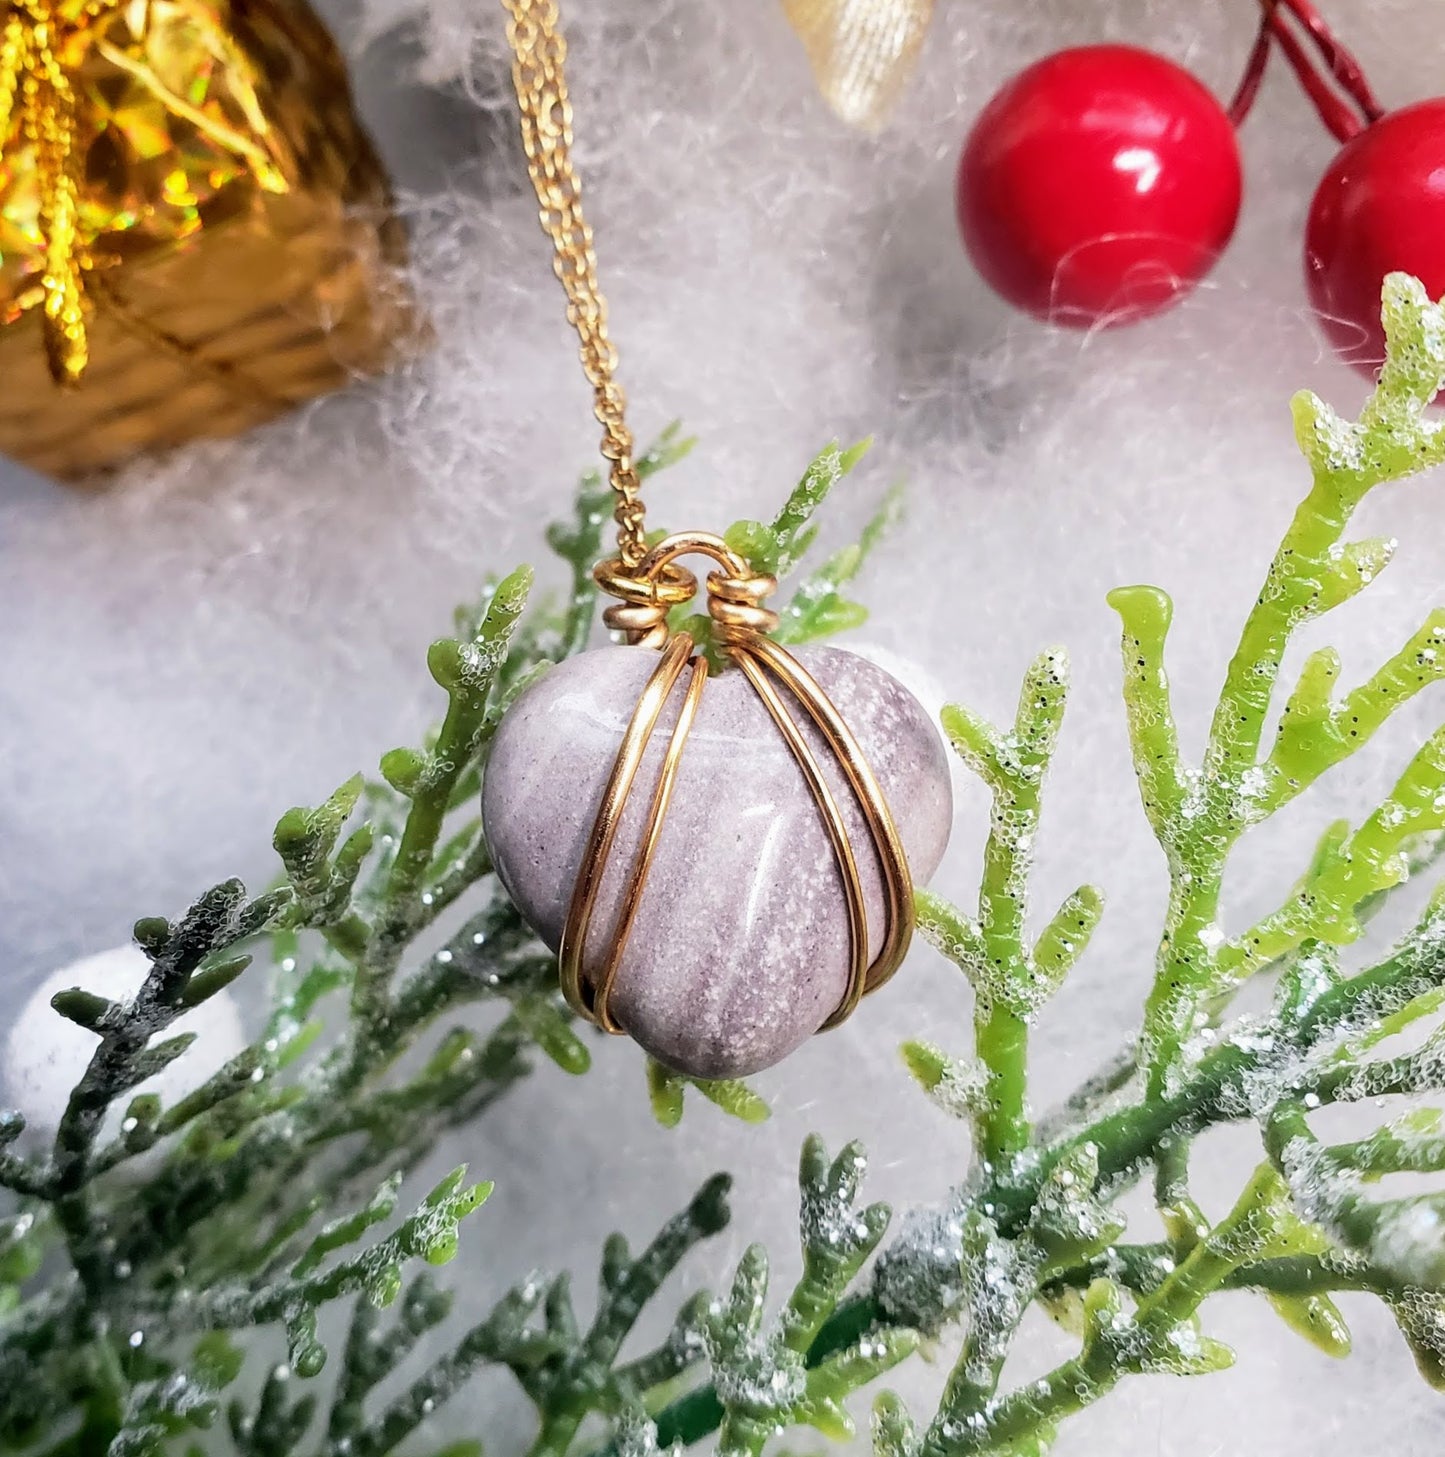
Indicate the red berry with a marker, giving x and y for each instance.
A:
(1099, 186)
(1380, 208)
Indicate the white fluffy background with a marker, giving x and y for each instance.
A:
(241, 628)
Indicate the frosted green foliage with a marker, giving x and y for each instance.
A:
(817, 607)
(960, 1088)
(1001, 1277)
(1011, 977)
(1034, 1221)
(763, 1380)
(1421, 1317)
(1199, 813)
(919, 1279)
(1070, 1221)
(570, 1372)
(637, 1437)
(1158, 1333)
(147, 1273)
(140, 1273)
(780, 545)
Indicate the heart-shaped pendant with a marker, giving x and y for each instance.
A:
(740, 949)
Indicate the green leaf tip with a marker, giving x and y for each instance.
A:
(84, 1008)
(151, 933)
(218, 1360)
(1414, 369)
(403, 769)
(1317, 1319)
(1420, 1315)
(665, 1091)
(791, 527)
(348, 1230)
(444, 661)
(510, 597)
(549, 1027)
(893, 1431)
(756, 543)
(669, 448)
(666, 1088)
(210, 980)
(303, 834)
(735, 1099)
(1394, 437)
(927, 1064)
(1146, 611)
(956, 1086)
(1067, 936)
(947, 928)
(159, 1056)
(852, 454)
(710, 1211)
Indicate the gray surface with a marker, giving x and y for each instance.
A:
(241, 630)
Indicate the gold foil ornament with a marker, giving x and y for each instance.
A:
(195, 234)
(861, 51)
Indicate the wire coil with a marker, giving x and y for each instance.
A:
(646, 594)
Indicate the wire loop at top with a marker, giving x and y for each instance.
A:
(649, 591)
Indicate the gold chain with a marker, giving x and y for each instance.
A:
(539, 51)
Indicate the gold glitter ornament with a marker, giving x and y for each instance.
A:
(195, 234)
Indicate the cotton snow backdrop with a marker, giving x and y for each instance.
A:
(241, 628)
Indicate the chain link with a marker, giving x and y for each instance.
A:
(539, 52)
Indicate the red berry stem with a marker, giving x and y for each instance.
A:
(1247, 93)
(1343, 121)
(1343, 65)
(1341, 94)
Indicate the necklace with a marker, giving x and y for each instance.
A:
(714, 859)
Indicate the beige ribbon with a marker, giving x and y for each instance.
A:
(861, 51)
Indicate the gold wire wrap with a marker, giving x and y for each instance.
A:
(650, 585)
(734, 595)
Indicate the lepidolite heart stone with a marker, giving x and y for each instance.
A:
(740, 948)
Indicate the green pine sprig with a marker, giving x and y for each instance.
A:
(152, 1256)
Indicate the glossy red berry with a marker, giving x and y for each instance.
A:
(1380, 208)
(1099, 186)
